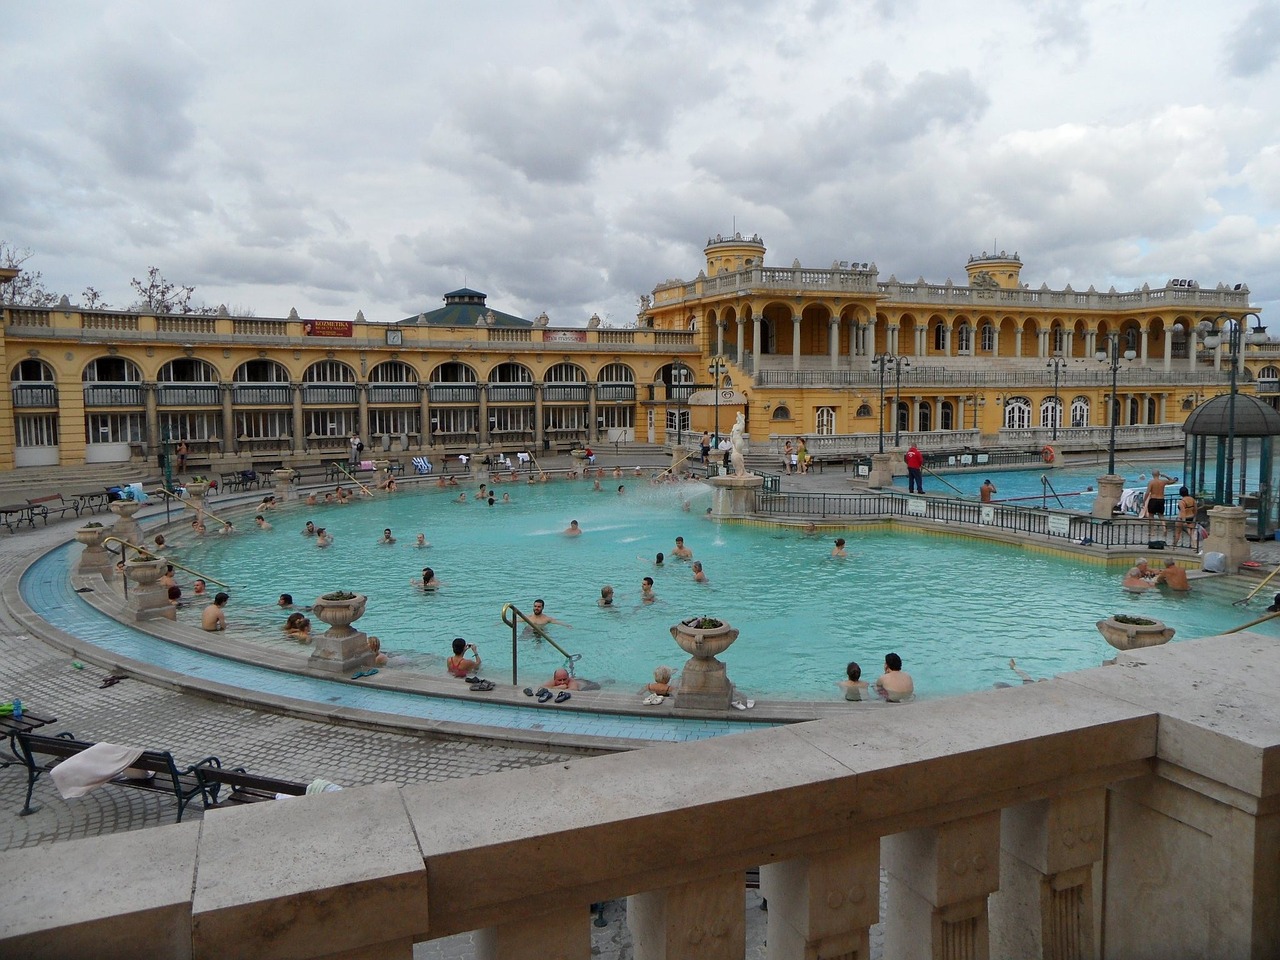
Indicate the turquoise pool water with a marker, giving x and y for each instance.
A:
(1074, 486)
(956, 610)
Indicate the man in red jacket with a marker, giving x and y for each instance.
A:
(915, 470)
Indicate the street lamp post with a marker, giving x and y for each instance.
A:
(716, 369)
(1212, 332)
(899, 363)
(882, 360)
(1112, 355)
(1057, 363)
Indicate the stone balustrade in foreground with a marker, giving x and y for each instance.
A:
(1126, 811)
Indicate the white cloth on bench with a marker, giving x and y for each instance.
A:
(99, 764)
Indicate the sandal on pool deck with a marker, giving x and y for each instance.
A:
(544, 695)
(482, 685)
(528, 691)
(562, 696)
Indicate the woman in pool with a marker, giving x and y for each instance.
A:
(298, 627)
(460, 666)
(429, 581)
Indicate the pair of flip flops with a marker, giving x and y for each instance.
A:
(544, 695)
(364, 673)
(481, 685)
(741, 705)
(652, 699)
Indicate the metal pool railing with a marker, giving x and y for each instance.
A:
(1032, 521)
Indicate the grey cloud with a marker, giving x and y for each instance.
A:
(1253, 46)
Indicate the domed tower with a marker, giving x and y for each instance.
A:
(730, 254)
(995, 270)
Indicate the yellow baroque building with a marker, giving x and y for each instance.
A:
(836, 352)
(832, 354)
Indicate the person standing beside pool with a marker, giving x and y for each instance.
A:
(895, 684)
(914, 460)
(987, 491)
(1187, 508)
(1154, 507)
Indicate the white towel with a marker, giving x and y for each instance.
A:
(102, 762)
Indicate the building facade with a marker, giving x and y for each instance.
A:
(832, 353)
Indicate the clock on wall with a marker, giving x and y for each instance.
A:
(395, 337)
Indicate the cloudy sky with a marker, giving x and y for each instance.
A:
(569, 156)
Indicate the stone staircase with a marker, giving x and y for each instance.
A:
(23, 483)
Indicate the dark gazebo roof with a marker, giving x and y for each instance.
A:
(1253, 418)
(463, 308)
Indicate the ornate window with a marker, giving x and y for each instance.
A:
(964, 339)
(329, 371)
(1051, 412)
(1080, 412)
(864, 410)
(781, 412)
(988, 338)
(826, 421)
(924, 417)
(1017, 413)
(946, 416)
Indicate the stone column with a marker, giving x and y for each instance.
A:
(152, 416)
(704, 919)
(424, 414)
(362, 414)
(483, 390)
(593, 425)
(1168, 349)
(755, 345)
(881, 470)
(1109, 487)
(719, 337)
(939, 881)
(563, 933)
(299, 421)
(742, 339)
(539, 431)
(1143, 344)
(833, 344)
(824, 905)
(1226, 536)
(228, 419)
(795, 342)
(1047, 904)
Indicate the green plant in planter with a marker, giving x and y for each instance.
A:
(338, 595)
(1133, 621)
(703, 623)
(93, 523)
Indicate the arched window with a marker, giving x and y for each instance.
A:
(1151, 410)
(1135, 410)
(988, 338)
(1051, 412)
(946, 416)
(260, 371)
(617, 373)
(187, 370)
(393, 371)
(572, 373)
(781, 412)
(453, 372)
(511, 373)
(1058, 340)
(940, 338)
(964, 340)
(112, 370)
(826, 421)
(864, 410)
(904, 415)
(1017, 413)
(329, 371)
(1080, 412)
(924, 417)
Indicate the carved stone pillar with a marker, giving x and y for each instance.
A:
(823, 906)
(484, 414)
(1143, 345)
(228, 418)
(833, 342)
(1047, 904)
(795, 342)
(755, 345)
(593, 427)
(703, 919)
(299, 422)
(152, 416)
(362, 412)
(562, 935)
(539, 429)
(939, 880)
(742, 339)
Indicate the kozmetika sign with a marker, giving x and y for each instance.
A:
(328, 328)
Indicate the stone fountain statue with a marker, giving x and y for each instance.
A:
(736, 440)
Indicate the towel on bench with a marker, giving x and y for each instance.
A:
(99, 764)
(421, 465)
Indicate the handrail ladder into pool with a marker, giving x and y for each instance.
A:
(959, 492)
(1253, 623)
(343, 470)
(1244, 601)
(148, 552)
(197, 505)
(1047, 484)
(571, 659)
(672, 469)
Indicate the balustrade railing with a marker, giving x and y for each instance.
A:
(189, 395)
(35, 395)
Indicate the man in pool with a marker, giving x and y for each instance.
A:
(1139, 576)
(895, 684)
(646, 591)
(987, 491)
(540, 619)
(387, 539)
(212, 618)
(681, 551)
(261, 522)
(573, 530)
(1173, 577)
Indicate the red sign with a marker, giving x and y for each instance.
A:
(328, 328)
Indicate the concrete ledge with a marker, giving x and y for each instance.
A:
(123, 896)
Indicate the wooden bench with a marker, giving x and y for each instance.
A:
(229, 481)
(42, 506)
(243, 787)
(40, 754)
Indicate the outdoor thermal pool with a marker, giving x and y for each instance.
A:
(955, 609)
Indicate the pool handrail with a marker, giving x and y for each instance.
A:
(1253, 623)
(198, 506)
(147, 551)
(516, 616)
(935, 476)
(343, 470)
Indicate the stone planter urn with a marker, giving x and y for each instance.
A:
(197, 489)
(282, 481)
(147, 598)
(1133, 633)
(126, 528)
(704, 685)
(94, 558)
(340, 648)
